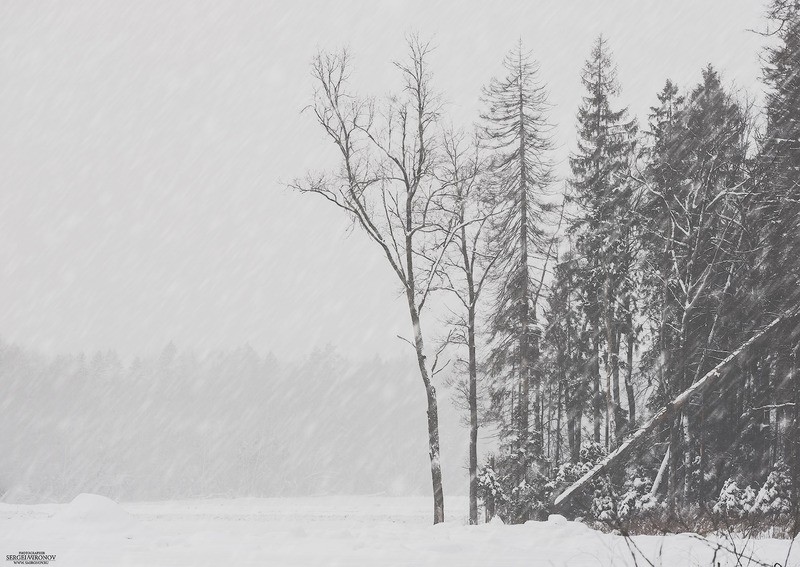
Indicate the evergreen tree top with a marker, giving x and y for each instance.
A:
(606, 137)
(516, 111)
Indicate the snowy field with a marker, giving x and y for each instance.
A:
(369, 531)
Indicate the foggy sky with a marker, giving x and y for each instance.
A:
(143, 147)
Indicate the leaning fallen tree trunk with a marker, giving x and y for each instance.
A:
(667, 412)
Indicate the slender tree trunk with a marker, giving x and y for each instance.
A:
(568, 402)
(473, 366)
(783, 371)
(473, 420)
(525, 311)
(538, 400)
(558, 426)
(765, 397)
(578, 434)
(548, 420)
(660, 475)
(688, 454)
(597, 399)
(612, 366)
(629, 371)
(682, 425)
(674, 459)
(703, 452)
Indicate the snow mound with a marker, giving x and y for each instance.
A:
(96, 510)
(557, 519)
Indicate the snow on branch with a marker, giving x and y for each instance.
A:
(668, 411)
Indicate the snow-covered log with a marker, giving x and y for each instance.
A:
(668, 411)
(661, 470)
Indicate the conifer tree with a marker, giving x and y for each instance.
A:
(516, 133)
(602, 192)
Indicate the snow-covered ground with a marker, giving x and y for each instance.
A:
(351, 531)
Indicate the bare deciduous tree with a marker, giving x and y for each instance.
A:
(467, 268)
(386, 184)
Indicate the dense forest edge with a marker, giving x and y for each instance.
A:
(580, 308)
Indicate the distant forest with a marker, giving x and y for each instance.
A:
(225, 424)
(656, 287)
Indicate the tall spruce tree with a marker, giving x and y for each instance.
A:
(516, 132)
(602, 227)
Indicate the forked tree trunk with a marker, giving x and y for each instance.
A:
(433, 415)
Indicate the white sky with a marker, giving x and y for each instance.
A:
(142, 146)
